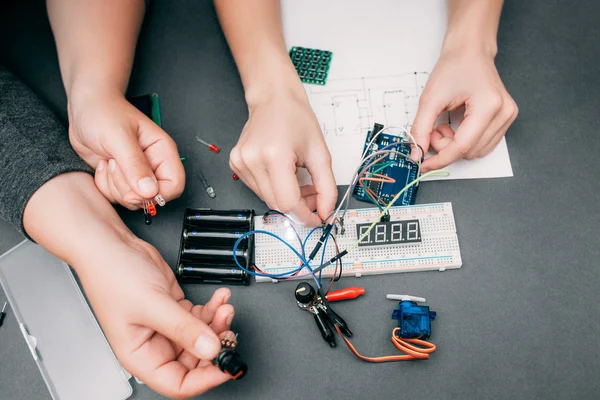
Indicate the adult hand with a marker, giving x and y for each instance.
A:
(282, 134)
(460, 78)
(133, 157)
(157, 335)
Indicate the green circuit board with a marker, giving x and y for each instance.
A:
(149, 105)
(312, 65)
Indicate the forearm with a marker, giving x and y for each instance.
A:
(473, 25)
(71, 218)
(255, 35)
(96, 41)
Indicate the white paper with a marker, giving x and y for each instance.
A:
(383, 51)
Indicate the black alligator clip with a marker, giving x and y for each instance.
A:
(316, 303)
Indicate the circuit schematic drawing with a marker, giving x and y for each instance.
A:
(348, 107)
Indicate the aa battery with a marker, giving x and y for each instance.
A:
(210, 238)
(214, 254)
(219, 218)
(190, 272)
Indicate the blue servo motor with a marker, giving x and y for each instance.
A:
(414, 320)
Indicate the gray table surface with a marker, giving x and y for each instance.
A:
(519, 320)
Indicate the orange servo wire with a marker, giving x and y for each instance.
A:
(420, 352)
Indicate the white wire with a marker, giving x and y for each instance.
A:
(355, 179)
(363, 159)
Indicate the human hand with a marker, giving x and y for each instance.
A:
(133, 157)
(282, 134)
(460, 78)
(157, 335)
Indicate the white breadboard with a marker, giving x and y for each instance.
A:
(438, 250)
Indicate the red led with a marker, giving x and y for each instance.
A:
(152, 210)
(235, 177)
(213, 147)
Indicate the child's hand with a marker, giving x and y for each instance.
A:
(133, 157)
(281, 135)
(157, 335)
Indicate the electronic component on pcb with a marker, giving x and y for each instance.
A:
(228, 360)
(383, 180)
(389, 232)
(312, 65)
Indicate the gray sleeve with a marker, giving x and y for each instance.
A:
(34, 148)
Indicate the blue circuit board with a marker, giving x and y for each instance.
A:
(401, 169)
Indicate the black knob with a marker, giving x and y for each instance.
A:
(305, 293)
(229, 361)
